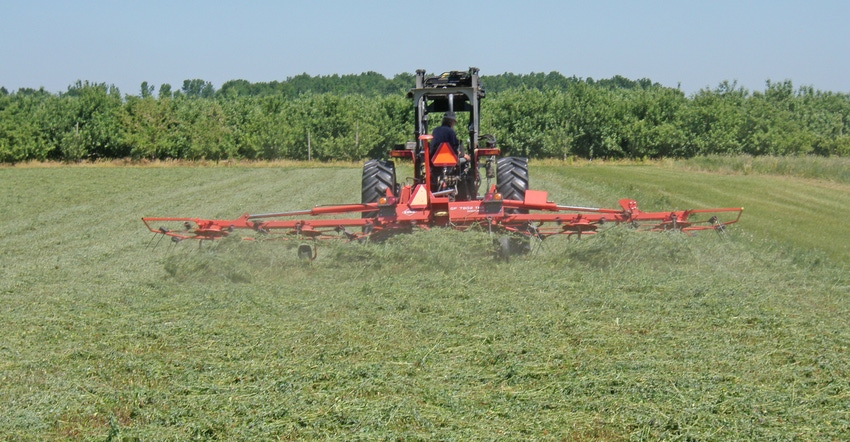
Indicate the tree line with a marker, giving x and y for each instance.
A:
(352, 117)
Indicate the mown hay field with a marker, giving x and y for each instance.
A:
(621, 336)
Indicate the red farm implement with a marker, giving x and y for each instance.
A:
(444, 192)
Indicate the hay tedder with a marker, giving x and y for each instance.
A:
(444, 192)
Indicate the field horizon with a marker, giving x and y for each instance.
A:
(619, 336)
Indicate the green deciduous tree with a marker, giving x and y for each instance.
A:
(197, 88)
(150, 128)
(146, 90)
(92, 115)
(165, 91)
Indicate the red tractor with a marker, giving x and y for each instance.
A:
(445, 191)
(444, 172)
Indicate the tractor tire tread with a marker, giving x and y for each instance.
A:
(512, 177)
(378, 176)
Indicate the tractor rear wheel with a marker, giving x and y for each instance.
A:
(378, 176)
(512, 177)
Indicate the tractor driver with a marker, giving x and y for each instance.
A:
(445, 133)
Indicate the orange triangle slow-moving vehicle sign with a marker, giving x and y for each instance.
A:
(445, 156)
(419, 199)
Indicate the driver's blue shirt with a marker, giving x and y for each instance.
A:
(444, 134)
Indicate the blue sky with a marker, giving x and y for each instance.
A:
(690, 44)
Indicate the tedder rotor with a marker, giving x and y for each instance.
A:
(444, 192)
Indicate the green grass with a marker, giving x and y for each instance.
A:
(622, 336)
(805, 214)
(833, 169)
